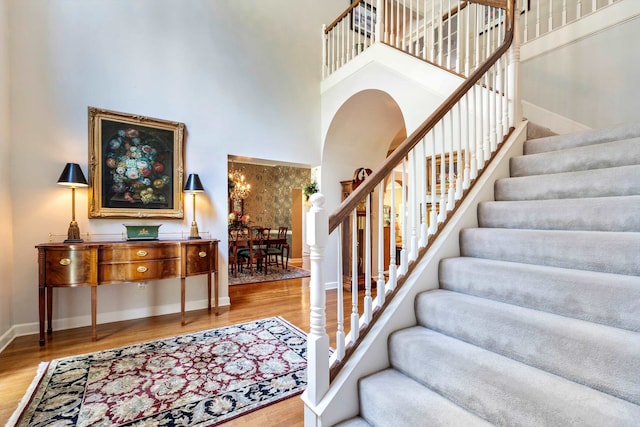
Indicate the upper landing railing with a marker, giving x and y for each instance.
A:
(437, 31)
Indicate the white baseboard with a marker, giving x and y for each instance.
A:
(109, 317)
(557, 123)
(331, 285)
(6, 339)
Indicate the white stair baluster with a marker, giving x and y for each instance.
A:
(442, 212)
(433, 219)
(354, 277)
(452, 181)
(340, 337)
(368, 301)
(404, 256)
(423, 193)
(380, 282)
(393, 270)
(413, 206)
(467, 150)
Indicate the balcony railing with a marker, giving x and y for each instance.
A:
(447, 33)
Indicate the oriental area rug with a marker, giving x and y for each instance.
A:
(243, 277)
(199, 379)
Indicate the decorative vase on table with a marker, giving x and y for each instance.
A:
(238, 220)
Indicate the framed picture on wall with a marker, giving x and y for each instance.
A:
(136, 166)
(363, 18)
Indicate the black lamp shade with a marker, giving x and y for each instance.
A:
(72, 176)
(193, 184)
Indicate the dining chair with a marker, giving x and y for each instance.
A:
(255, 253)
(278, 249)
(234, 261)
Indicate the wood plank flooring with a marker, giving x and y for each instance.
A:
(289, 299)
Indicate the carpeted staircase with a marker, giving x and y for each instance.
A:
(537, 323)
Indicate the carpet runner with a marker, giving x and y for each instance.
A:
(202, 379)
(537, 322)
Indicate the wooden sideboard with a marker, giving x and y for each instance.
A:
(101, 263)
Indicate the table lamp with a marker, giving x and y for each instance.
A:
(73, 177)
(193, 186)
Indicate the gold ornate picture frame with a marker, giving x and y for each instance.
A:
(136, 166)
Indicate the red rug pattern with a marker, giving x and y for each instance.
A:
(197, 379)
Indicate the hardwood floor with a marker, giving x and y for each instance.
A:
(289, 299)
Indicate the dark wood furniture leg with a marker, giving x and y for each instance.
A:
(94, 312)
(41, 299)
(182, 298)
(49, 309)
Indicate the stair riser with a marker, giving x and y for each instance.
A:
(617, 253)
(609, 155)
(604, 358)
(500, 390)
(593, 214)
(619, 181)
(608, 299)
(581, 139)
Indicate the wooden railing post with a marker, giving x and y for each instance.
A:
(317, 340)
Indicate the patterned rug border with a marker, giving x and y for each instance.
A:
(292, 273)
(44, 367)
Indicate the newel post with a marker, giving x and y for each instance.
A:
(317, 339)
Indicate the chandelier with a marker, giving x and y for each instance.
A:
(238, 188)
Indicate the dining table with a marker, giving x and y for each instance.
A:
(241, 239)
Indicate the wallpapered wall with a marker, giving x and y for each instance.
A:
(269, 203)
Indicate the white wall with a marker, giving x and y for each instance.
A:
(592, 77)
(243, 75)
(6, 248)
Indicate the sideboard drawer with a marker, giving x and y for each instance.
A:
(199, 259)
(70, 267)
(139, 271)
(121, 253)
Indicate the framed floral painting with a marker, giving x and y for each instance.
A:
(136, 166)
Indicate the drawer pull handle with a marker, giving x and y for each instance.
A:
(65, 261)
(142, 269)
(202, 254)
(141, 252)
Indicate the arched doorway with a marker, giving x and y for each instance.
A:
(367, 127)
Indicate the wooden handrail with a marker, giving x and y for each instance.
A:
(369, 184)
(339, 18)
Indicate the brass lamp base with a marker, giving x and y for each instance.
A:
(73, 235)
(194, 234)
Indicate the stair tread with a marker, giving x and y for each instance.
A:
(610, 252)
(577, 139)
(604, 155)
(619, 213)
(413, 405)
(501, 390)
(599, 356)
(605, 298)
(615, 181)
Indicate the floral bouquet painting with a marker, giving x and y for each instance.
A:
(137, 165)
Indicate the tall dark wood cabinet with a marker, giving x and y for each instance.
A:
(347, 255)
